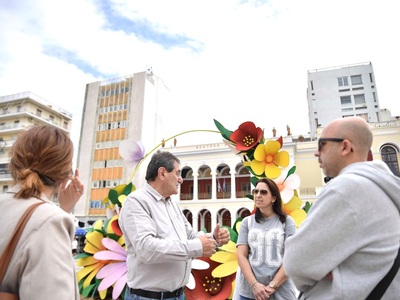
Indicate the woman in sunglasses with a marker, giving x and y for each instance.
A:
(260, 247)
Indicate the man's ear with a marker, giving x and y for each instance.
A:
(347, 146)
(161, 172)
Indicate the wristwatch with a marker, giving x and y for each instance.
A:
(273, 285)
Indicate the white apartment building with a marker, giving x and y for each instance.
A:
(341, 92)
(114, 110)
(17, 113)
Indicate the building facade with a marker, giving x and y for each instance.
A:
(215, 182)
(115, 110)
(341, 92)
(17, 113)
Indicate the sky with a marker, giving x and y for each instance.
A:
(229, 60)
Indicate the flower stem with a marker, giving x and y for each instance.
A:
(155, 148)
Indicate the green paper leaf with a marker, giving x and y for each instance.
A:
(307, 206)
(226, 134)
(240, 219)
(86, 291)
(82, 255)
(113, 236)
(113, 196)
(251, 197)
(128, 189)
(291, 171)
(253, 180)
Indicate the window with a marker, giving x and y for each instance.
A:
(347, 109)
(65, 124)
(343, 81)
(5, 188)
(38, 112)
(356, 79)
(389, 156)
(371, 78)
(359, 99)
(345, 100)
(19, 108)
(374, 96)
(51, 118)
(312, 85)
(3, 168)
(364, 116)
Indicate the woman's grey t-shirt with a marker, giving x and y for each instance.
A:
(266, 241)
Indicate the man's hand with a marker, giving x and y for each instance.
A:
(209, 245)
(221, 235)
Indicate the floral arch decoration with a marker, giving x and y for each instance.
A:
(102, 264)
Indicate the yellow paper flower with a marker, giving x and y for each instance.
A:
(268, 159)
(227, 257)
(294, 209)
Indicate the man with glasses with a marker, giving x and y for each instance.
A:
(350, 238)
(160, 242)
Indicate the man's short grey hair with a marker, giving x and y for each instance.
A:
(160, 159)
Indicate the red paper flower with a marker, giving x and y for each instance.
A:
(246, 136)
(208, 287)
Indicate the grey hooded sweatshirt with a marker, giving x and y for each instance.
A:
(351, 234)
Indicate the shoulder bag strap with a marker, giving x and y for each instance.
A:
(12, 243)
(382, 286)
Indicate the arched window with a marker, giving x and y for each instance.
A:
(389, 156)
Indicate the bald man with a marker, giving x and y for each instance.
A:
(350, 237)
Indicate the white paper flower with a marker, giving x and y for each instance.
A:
(131, 151)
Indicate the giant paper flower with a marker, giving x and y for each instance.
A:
(209, 287)
(227, 254)
(197, 264)
(104, 259)
(287, 183)
(90, 262)
(131, 151)
(268, 159)
(294, 209)
(114, 272)
(90, 265)
(246, 136)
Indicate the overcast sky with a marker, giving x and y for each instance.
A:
(229, 60)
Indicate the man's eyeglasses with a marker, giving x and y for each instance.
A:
(262, 192)
(322, 142)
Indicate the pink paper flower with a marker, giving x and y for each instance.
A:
(114, 273)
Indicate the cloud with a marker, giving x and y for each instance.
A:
(229, 60)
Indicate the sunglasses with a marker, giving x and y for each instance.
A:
(262, 192)
(322, 142)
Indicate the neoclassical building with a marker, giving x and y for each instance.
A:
(215, 183)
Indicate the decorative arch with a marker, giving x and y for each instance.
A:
(204, 182)
(189, 216)
(389, 154)
(187, 184)
(242, 178)
(223, 181)
(204, 220)
(243, 212)
(224, 217)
